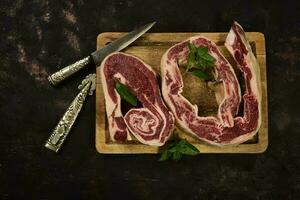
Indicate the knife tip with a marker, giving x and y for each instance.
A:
(152, 23)
(148, 26)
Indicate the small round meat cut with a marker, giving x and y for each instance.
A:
(152, 124)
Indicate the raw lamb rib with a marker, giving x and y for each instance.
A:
(153, 123)
(227, 128)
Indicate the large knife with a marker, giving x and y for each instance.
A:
(97, 56)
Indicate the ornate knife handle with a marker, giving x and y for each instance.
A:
(64, 126)
(67, 71)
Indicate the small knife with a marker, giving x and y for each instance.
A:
(97, 56)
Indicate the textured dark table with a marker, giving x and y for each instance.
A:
(38, 36)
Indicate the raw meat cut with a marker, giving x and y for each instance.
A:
(153, 123)
(227, 128)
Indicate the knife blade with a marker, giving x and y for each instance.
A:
(97, 56)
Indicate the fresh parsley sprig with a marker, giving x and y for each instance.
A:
(125, 94)
(176, 150)
(200, 62)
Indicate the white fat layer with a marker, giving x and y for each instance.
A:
(230, 38)
(120, 78)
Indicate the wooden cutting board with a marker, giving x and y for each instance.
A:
(150, 48)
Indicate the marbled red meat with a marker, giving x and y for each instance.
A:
(153, 123)
(227, 128)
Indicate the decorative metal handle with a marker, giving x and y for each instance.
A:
(65, 72)
(64, 126)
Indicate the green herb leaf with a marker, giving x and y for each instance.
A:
(177, 155)
(165, 155)
(187, 148)
(201, 74)
(176, 150)
(199, 58)
(126, 94)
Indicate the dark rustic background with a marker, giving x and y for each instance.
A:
(38, 36)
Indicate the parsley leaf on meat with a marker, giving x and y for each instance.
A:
(125, 94)
(200, 62)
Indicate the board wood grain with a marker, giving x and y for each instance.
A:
(150, 48)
